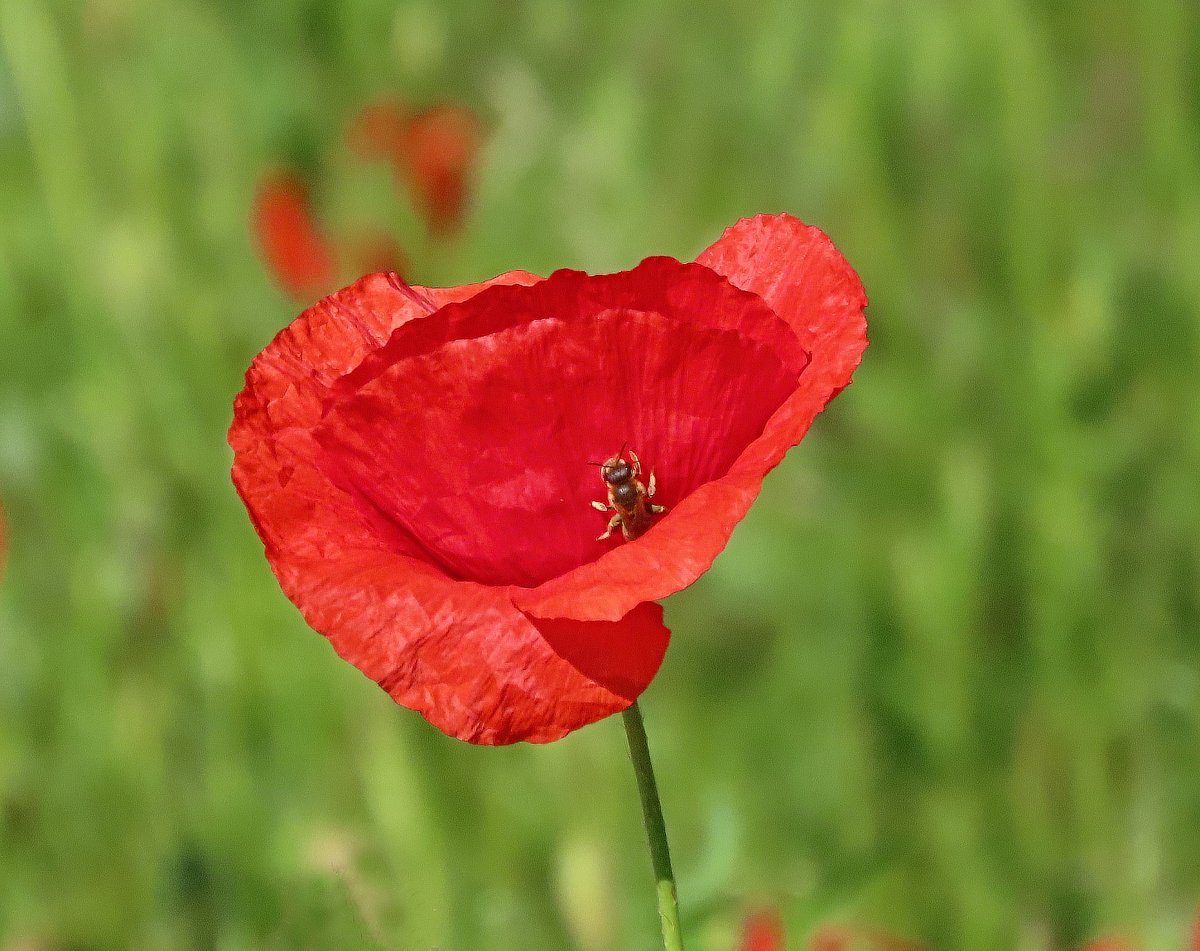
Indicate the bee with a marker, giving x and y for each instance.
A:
(628, 499)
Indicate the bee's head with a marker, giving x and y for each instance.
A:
(616, 470)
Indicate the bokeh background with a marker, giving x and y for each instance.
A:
(945, 681)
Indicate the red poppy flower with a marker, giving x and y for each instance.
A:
(762, 931)
(416, 463)
(433, 151)
(436, 154)
(299, 255)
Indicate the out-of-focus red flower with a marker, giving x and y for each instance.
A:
(762, 931)
(433, 151)
(1196, 934)
(437, 152)
(415, 461)
(299, 255)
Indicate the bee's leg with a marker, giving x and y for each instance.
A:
(601, 506)
(650, 487)
(657, 508)
(612, 524)
(637, 463)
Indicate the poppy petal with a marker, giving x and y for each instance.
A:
(463, 657)
(460, 654)
(795, 270)
(799, 273)
(283, 400)
(466, 439)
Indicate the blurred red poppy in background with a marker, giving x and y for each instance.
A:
(439, 148)
(762, 931)
(299, 255)
(433, 151)
(844, 938)
(415, 461)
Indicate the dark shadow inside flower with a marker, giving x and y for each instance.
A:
(466, 439)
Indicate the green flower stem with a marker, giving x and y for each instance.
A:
(656, 829)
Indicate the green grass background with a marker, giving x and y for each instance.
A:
(946, 678)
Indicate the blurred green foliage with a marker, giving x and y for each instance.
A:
(946, 679)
